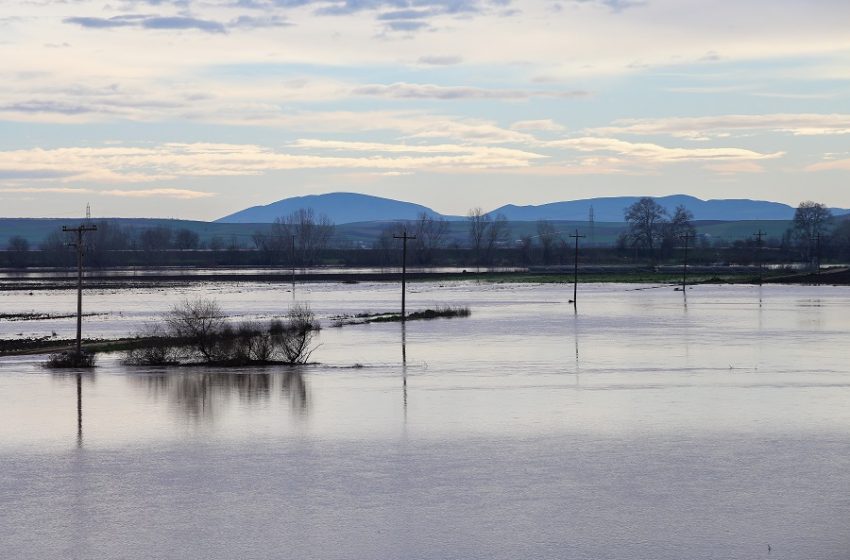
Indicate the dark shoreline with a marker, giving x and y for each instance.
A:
(103, 279)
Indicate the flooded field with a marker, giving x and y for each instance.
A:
(645, 425)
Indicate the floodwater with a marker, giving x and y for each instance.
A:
(644, 426)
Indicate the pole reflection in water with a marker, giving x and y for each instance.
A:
(79, 410)
(404, 368)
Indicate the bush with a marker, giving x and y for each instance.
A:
(295, 341)
(71, 359)
(197, 331)
(156, 351)
(201, 323)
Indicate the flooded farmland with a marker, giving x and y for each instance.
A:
(642, 425)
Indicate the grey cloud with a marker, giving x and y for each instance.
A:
(437, 60)
(248, 22)
(44, 107)
(405, 14)
(406, 25)
(183, 23)
(430, 91)
(33, 174)
(432, 7)
(176, 22)
(613, 5)
(101, 23)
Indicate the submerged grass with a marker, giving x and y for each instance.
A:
(440, 312)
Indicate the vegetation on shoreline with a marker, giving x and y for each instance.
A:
(197, 332)
(441, 312)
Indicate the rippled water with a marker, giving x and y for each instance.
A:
(643, 426)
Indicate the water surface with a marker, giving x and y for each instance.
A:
(643, 426)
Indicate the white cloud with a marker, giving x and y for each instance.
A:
(645, 152)
(403, 90)
(800, 124)
(184, 194)
(543, 125)
(175, 160)
(830, 165)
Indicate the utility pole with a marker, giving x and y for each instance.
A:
(686, 237)
(79, 230)
(292, 262)
(575, 267)
(759, 237)
(404, 237)
(817, 252)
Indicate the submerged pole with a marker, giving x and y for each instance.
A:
(686, 237)
(404, 237)
(80, 230)
(575, 269)
(759, 237)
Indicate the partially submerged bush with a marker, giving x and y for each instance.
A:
(157, 349)
(197, 331)
(295, 339)
(71, 359)
(200, 322)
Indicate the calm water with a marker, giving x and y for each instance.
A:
(640, 427)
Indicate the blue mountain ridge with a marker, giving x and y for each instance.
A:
(345, 208)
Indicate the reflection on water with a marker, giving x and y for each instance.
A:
(404, 368)
(78, 378)
(201, 394)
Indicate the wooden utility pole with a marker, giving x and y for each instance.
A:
(404, 237)
(817, 252)
(79, 230)
(686, 237)
(292, 262)
(759, 237)
(575, 267)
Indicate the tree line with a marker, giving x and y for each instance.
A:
(305, 238)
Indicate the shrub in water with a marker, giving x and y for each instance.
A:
(71, 359)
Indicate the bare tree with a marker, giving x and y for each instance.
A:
(678, 226)
(54, 249)
(199, 322)
(811, 222)
(498, 233)
(645, 218)
(186, 239)
(430, 235)
(18, 249)
(486, 233)
(155, 239)
(479, 222)
(296, 335)
(310, 233)
(547, 236)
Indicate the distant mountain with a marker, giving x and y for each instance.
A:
(611, 209)
(342, 208)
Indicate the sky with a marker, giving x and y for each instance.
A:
(199, 108)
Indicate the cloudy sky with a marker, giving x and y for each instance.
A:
(198, 108)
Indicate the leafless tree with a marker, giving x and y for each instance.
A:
(430, 235)
(296, 335)
(548, 238)
(310, 233)
(811, 221)
(200, 323)
(645, 218)
(18, 250)
(498, 233)
(479, 223)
